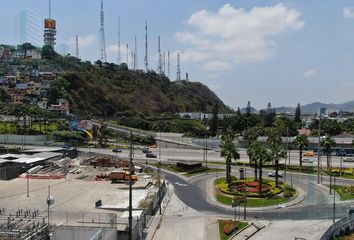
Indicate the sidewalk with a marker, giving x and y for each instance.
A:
(178, 221)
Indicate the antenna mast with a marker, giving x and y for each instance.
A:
(168, 64)
(77, 46)
(178, 68)
(146, 48)
(127, 47)
(118, 57)
(135, 54)
(102, 37)
(159, 63)
(50, 9)
(164, 63)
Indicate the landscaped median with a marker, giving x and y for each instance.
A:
(269, 194)
(176, 169)
(229, 227)
(345, 192)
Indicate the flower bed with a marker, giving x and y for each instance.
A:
(230, 226)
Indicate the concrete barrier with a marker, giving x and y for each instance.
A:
(342, 227)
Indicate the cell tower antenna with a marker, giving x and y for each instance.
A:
(132, 59)
(50, 9)
(119, 56)
(164, 63)
(127, 48)
(178, 68)
(159, 53)
(168, 64)
(135, 54)
(77, 46)
(146, 48)
(102, 37)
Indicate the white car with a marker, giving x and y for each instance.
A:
(307, 160)
(348, 159)
(273, 174)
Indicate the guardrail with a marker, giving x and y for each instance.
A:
(342, 227)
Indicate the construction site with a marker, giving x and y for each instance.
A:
(87, 192)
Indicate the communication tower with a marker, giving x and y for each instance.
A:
(50, 29)
(178, 68)
(102, 37)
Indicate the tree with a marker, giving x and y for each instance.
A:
(48, 52)
(262, 155)
(276, 150)
(327, 143)
(251, 136)
(238, 112)
(214, 121)
(301, 142)
(269, 116)
(248, 109)
(298, 114)
(228, 151)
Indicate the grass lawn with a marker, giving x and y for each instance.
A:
(172, 169)
(254, 202)
(223, 236)
(344, 193)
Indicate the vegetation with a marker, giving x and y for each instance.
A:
(229, 151)
(345, 192)
(327, 143)
(301, 142)
(228, 227)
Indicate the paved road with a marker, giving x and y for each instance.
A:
(318, 204)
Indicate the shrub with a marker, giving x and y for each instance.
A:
(230, 226)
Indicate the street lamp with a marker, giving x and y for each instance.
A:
(27, 174)
(319, 152)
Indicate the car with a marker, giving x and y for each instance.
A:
(273, 174)
(146, 150)
(309, 154)
(307, 160)
(65, 146)
(348, 159)
(150, 155)
(116, 150)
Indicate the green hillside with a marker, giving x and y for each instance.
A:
(109, 89)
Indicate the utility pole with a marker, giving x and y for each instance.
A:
(130, 188)
(244, 196)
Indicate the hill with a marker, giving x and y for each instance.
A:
(108, 89)
(313, 107)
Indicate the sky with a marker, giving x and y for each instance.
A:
(282, 52)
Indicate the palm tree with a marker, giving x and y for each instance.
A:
(327, 143)
(276, 150)
(262, 155)
(251, 136)
(229, 151)
(301, 142)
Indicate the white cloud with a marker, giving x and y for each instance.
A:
(310, 73)
(234, 35)
(348, 12)
(213, 76)
(213, 66)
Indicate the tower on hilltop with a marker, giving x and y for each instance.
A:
(102, 37)
(50, 30)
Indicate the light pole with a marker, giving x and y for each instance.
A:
(130, 188)
(244, 197)
(334, 198)
(319, 152)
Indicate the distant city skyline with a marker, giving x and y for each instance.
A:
(283, 52)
